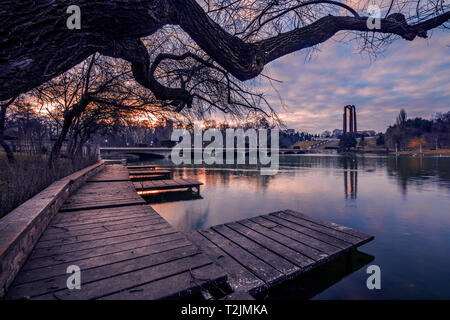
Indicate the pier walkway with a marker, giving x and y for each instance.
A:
(126, 250)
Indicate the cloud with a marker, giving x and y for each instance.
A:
(411, 75)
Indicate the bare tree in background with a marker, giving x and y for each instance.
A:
(3, 108)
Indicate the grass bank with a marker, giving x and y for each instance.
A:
(29, 175)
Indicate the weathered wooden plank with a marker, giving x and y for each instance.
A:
(307, 240)
(111, 173)
(114, 215)
(96, 221)
(50, 272)
(130, 277)
(45, 252)
(257, 266)
(190, 282)
(284, 266)
(70, 257)
(239, 278)
(105, 272)
(102, 204)
(301, 248)
(105, 212)
(82, 216)
(166, 184)
(312, 233)
(280, 249)
(99, 236)
(54, 229)
(124, 226)
(332, 225)
(150, 177)
(314, 226)
(148, 172)
(142, 166)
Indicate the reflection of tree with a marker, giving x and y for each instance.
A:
(350, 166)
(224, 174)
(417, 170)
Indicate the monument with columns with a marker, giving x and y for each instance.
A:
(350, 119)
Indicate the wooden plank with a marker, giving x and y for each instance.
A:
(240, 278)
(312, 233)
(150, 177)
(70, 257)
(46, 252)
(111, 173)
(314, 226)
(142, 166)
(289, 242)
(277, 262)
(261, 269)
(98, 236)
(75, 223)
(94, 276)
(128, 277)
(307, 240)
(165, 184)
(147, 172)
(65, 233)
(60, 270)
(191, 281)
(82, 216)
(332, 225)
(280, 249)
(112, 203)
(55, 229)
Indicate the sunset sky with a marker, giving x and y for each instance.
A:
(411, 75)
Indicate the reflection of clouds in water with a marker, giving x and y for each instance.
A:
(410, 228)
(316, 185)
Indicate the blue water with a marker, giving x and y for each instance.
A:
(404, 202)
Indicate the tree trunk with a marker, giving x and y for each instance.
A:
(76, 111)
(9, 153)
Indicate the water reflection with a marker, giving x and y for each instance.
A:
(402, 201)
(350, 165)
(419, 170)
(311, 283)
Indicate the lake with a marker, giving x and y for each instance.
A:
(403, 201)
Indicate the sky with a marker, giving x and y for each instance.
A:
(411, 75)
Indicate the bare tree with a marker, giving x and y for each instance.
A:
(237, 38)
(3, 109)
(97, 91)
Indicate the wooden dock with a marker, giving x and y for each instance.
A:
(143, 175)
(172, 184)
(126, 250)
(112, 173)
(143, 166)
(261, 252)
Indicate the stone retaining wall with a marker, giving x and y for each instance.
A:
(21, 228)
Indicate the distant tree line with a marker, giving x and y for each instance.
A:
(412, 133)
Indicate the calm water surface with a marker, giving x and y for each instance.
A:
(404, 202)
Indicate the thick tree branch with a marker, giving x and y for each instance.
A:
(246, 60)
(36, 45)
